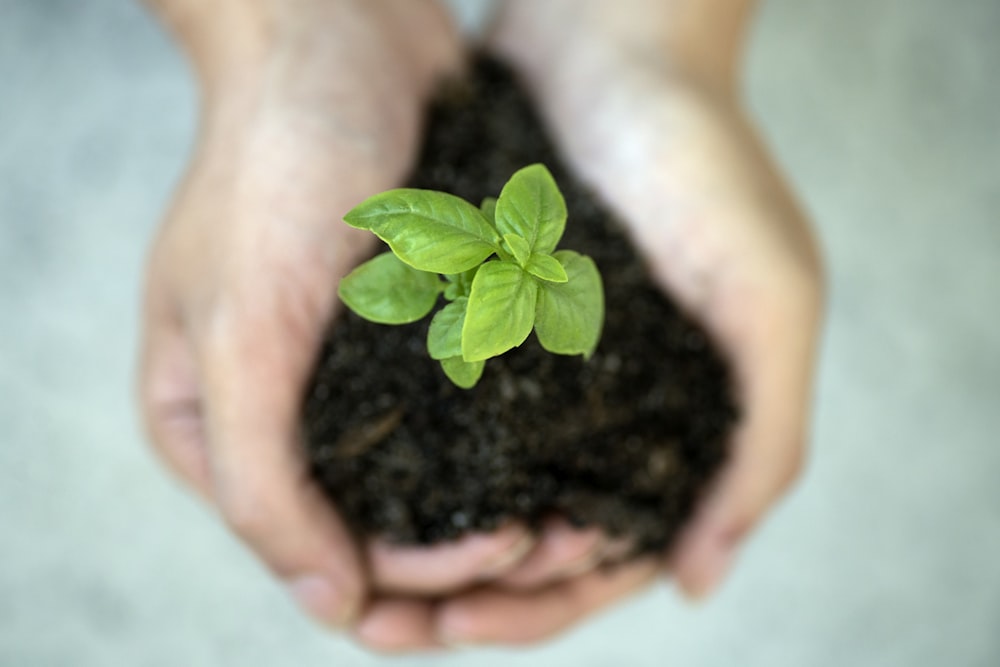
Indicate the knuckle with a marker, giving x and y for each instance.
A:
(794, 465)
(246, 515)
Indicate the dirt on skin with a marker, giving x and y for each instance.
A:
(628, 440)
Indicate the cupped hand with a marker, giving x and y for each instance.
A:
(668, 146)
(678, 160)
(309, 107)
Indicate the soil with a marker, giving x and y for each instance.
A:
(628, 440)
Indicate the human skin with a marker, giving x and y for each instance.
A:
(309, 106)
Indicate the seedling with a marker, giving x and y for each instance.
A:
(497, 267)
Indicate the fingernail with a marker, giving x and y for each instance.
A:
(504, 560)
(319, 597)
(455, 640)
(584, 563)
(456, 644)
(711, 571)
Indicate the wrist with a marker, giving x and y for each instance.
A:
(695, 43)
(216, 36)
(231, 43)
(335, 77)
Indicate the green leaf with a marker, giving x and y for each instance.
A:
(547, 268)
(570, 315)
(501, 310)
(464, 374)
(532, 207)
(387, 291)
(461, 282)
(444, 337)
(489, 209)
(430, 231)
(518, 248)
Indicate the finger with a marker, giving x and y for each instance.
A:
(774, 368)
(562, 551)
(395, 625)
(617, 549)
(493, 615)
(170, 399)
(445, 567)
(253, 373)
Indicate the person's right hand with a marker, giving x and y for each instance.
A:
(309, 107)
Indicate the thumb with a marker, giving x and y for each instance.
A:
(254, 368)
(773, 358)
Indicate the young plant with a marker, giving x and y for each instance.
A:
(502, 274)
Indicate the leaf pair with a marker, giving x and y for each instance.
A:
(494, 305)
(507, 302)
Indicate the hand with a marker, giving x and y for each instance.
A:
(301, 121)
(241, 279)
(663, 139)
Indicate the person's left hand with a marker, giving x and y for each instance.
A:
(674, 155)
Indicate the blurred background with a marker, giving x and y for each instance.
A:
(886, 116)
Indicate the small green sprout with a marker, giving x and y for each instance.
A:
(502, 274)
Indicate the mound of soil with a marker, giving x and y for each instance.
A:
(628, 440)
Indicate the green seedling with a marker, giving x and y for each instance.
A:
(496, 266)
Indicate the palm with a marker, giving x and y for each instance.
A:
(723, 236)
(241, 288)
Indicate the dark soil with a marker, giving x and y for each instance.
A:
(628, 440)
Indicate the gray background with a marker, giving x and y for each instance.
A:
(886, 115)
